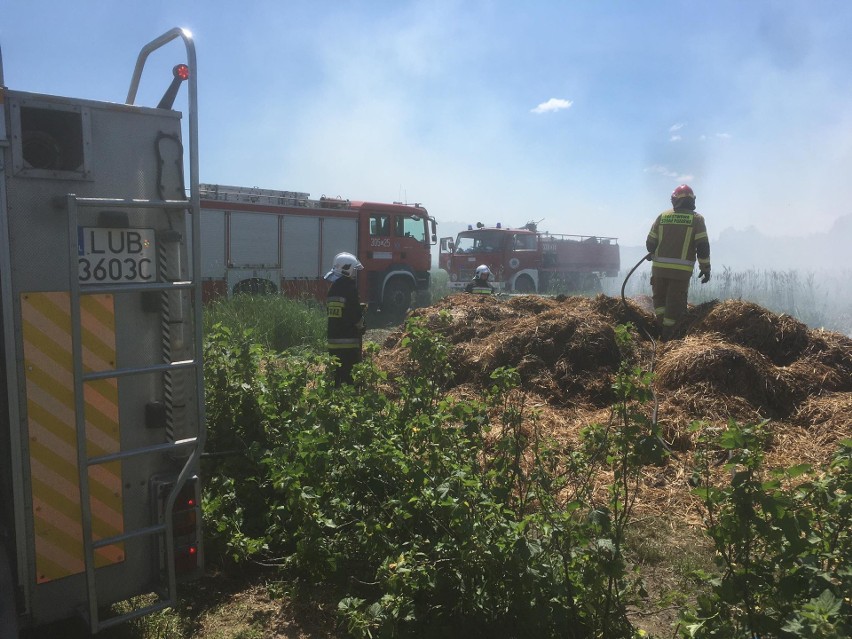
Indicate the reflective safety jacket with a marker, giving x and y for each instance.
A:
(676, 239)
(344, 315)
(479, 287)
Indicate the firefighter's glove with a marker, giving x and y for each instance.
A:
(705, 276)
(650, 257)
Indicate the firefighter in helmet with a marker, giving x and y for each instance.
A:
(345, 316)
(480, 285)
(677, 237)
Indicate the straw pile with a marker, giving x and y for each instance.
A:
(729, 360)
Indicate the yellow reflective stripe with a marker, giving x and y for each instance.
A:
(480, 290)
(338, 347)
(51, 422)
(700, 236)
(704, 261)
(687, 239)
(652, 234)
(668, 322)
(675, 267)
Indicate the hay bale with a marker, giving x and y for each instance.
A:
(728, 368)
(833, 350)
(834, 409)
(780, 338)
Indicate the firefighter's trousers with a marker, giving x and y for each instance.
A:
(347, 357)
(669, 295)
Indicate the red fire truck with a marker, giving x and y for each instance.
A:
(525, 260)
(267, 241)
(101, 387)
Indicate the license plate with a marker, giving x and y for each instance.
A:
(116, 256)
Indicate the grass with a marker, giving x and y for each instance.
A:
(276, 322)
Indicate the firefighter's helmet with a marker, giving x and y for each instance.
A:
(483, 272)
(683, 195)
(344, 265)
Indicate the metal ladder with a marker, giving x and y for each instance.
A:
(76, 290)
(194, 444)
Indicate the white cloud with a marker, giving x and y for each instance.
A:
(667, 172)
(676, 127)
(553, 104)
(676, 138)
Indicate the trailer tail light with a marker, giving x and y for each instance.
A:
(186, 523)
(181, 71)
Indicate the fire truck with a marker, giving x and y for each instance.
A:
(526, 260)
(102, 419)
(266, 241)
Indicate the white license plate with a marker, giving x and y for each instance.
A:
(116, 256)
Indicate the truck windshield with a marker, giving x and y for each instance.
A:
(479, 242)
(411, 226)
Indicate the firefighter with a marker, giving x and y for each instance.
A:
(480, 285)
(676, 239)
(345, 316)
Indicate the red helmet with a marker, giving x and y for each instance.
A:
(682, 192)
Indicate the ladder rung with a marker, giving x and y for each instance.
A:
(135, 614)
(139, 532)
(153, 368)
(94, 289)
(145, 450)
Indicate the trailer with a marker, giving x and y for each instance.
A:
(102, 419)
(269, 241)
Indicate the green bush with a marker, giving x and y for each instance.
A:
(432, 516)
(783, 543)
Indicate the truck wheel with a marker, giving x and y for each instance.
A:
(397, 299)
(8, 607)
(524, 284)
(255, 286)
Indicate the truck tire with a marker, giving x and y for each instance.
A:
(8, 604)
(396, 299)
(255, 286)
(524, 284)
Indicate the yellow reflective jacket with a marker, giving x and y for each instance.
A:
(677, 238)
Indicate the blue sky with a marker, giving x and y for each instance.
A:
(583, 114)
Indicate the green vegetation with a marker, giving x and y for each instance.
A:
(391, 499)
(783, 543)
(274, 322)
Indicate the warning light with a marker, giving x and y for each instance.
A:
(181, 71)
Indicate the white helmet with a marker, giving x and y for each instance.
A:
(483, 272)
(344, 265)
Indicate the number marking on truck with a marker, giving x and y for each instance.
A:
(116, 256)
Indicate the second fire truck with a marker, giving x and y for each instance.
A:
(525, 260)
(267, 241)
